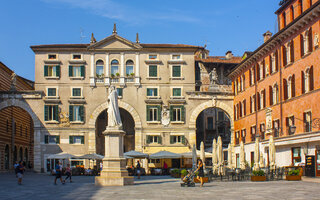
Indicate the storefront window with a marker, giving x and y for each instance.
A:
(296, 156)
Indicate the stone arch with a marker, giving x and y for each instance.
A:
(210, 104)
(124, 105)
(21, 104)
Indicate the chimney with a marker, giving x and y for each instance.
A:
(266, 36)
(229, 55)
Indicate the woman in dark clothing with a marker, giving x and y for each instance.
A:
(201, 172)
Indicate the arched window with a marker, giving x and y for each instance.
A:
(6, 157)
(20, 154)
(129, 68)
(289, 87)
(99, 69)
(114, 68)
(15, 156)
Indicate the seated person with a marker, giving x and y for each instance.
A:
(88, 172)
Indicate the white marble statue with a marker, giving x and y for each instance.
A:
(213, 77)
(114, 119)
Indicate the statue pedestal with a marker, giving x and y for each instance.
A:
(114, 172)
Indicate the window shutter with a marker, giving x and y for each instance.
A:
(46, 113)
(183, 139)
(56, 111)
(58, 70)
(244, 108)
(311, 78)
(70, 71)
(270, 95)
(70, 139)
(258, 100)
(159, 113)
(148, 113)
(293, 87)
(171, 139)
(156, 92)
(159, 140)
(264, 98)
(46, 70)
(301, 45)
(302, 83)
(70, 113)
(82, 71)
(285, 89)
(183, 113)
(82, 139)
(58, 139)
(81, 110)
(171, 113)
(46, 139)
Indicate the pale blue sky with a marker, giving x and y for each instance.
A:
(223, 25)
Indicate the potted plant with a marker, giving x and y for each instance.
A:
(175, 173)
(183, 173)
(258, 175)
(112, 76)
(132, 74)
(117, 74)
(294, 175)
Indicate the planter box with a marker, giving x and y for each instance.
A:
(205, 180)
(258, 178)
(293, 178)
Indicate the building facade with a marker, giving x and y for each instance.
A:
(156, 84)
(277, 86)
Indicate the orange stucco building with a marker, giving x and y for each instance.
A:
(277, 88)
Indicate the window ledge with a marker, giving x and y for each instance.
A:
(77, 78)
(153, 122)
(52, 97)
(177, 122)
(75, 97)
(52, 77)
(76, 122)
(77, 61)
(153, 78)
(176, 78)
(52, 61)
(177, 97)
(153, 97)
(52, 122)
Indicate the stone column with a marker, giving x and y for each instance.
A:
(107, 69)
(137, 73)
(37, 157)
(122, 65)
(92, 81)
(114, 172)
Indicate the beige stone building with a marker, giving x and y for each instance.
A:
(158, 101)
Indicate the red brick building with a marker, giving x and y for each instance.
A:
(277, 87)
(16, 125)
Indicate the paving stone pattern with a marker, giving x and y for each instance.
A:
(40, 186)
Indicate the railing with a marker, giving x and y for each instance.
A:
(114, 80)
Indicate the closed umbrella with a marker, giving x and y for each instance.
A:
(202, 155)
(272, 153)
(242, 156)
(220, 155)
(214, 156)
(256, 154)
(261, 160)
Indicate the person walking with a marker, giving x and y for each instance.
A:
(20, 170)
(68, 173)
(201, 172)
(58, 173)
(138, 169)
(16, 168)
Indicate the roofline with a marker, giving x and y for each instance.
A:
(283, 6)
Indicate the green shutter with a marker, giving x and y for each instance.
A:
(183, 113)
(156, 92)
(148, 113)
(176, 71)
(70, 139)
(171, 139)
(58, 70)
(70, 71)
(82, 71)
(46, 139)
(58, 139)
(171, 113)
(70, 113)
(82, 139)
(148, 92)
(46, 113)
(56, 112)
(159, 113)
(81, 110)
(46, 70)
(159, 140)
(183, 139)
(153, 71)
(148, 139)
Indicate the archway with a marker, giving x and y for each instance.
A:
(128, 124)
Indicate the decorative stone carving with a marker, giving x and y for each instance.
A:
(316, 40)
(213, 77)
(64, 119)
(268, 121)
(165, 116)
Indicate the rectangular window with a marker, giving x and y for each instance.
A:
(176, 92)
(77, 163)
(176, 57)
(210, 123)
(174, 139)
(129, 70)
(76, 71)
(120, 92)
(76, 56)
(76, 139)
(99, 70)
(51, 139)
(52, 92)
(51, 113)
(52, 56)
(253, 133)
(153, 57)
(76, 113)
(177, 113)
(152, 92)
(275, 126)
(176, 71)
(290, 124)
(153, 139)
(52, 71)
(76, 92)
(307, 119)
(153, 71)
(153, 113)
(296, 156)
(114, 70)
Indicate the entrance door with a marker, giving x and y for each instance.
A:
(175, 163)
(310, 166)
(318, 162)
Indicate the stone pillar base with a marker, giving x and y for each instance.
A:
(113, 181)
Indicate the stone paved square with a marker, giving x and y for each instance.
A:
(40, 186)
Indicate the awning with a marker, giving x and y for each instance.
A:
(61, 155)
(135, 154)
(164, 154)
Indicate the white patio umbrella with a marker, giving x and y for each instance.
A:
(242, 156)
(272, 153)
(92, 156)
(256, 154)
(164, 154)
(229, 156)
(61, 155)
(202, 155)
(214, 156)
(189, 154)
(220, 155)
(135, 154)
